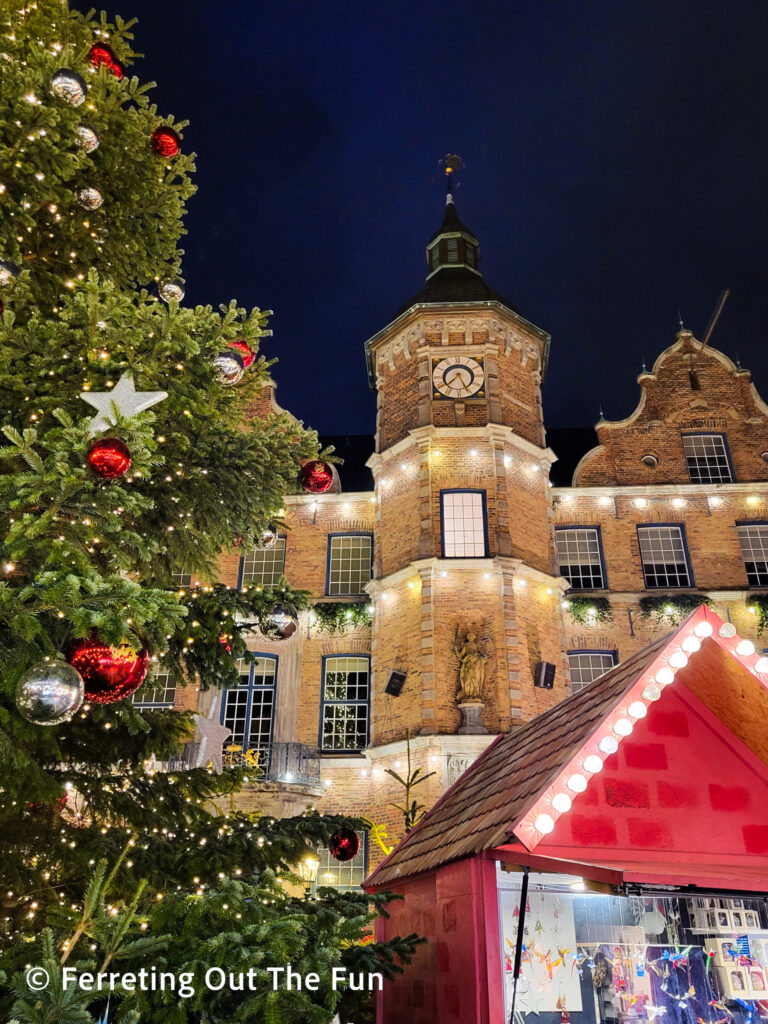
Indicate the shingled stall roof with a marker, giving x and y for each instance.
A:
(508, 792)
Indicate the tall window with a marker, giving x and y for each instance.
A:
(345, 703)
(754, 550)
(707, 458)
(157, 692)
(579, 558)
(347, 874)
(248, 709)
(464, 524)
(349, 563)
(264, 566)
(588, 665)
(664, 557)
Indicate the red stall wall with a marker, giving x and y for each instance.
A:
(683, 795)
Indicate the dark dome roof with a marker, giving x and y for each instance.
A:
(455, 284)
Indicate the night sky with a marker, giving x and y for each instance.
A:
(615, 154)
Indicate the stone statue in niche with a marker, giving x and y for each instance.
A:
(471, 668)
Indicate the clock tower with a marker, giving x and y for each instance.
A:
(464, 543)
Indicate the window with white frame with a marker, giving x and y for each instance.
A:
(578, 556)
(707, 459)
(345, 703)
(349, 563)
(182, 579)
(585, 666)
(248, 709)
(662, 552)
(157, 692)
(264, 566)
(348, 874)
(753, 538)
(463, 519)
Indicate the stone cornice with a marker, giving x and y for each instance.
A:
(660, 490)
(491, 432)
(497, 566)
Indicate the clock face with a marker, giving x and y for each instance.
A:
(458, 377)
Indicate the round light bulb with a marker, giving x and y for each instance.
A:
(608, 745)
(544, 823)
(703, 629)
(727, 629)
(691, 644)
(561, 802)
(678, 660)
(593, 764)
(577, 783)
(652, 692)
(761, 665)
(637, 709)
(623, 727)
(665, 676)
(745, 648)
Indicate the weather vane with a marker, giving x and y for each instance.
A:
(451, 164)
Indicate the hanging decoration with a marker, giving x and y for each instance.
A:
(109, 458)
(49, 693)
(171, 290)
(229, 368)
(68, 86)
(246, 352)
(8, 271)
(125, 397)
(268, 537)
(87, 138)
(110, 674)
(280, 623)
(165, 141)
(344, 844)
(100, 54)
(89, 198)
(317, 476)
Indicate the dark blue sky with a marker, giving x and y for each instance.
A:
(615, 152)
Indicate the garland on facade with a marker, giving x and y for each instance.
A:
(664, 610)
(588, 611)
(338, 616)
(759, 605)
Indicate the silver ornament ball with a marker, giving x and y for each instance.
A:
(49, 693)
(8, 271)
(268, 538)
(229, 368)
(171, 290)
(87, 138)
(90, 198)
(280, 623)
(67, 85)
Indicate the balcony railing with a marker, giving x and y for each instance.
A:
(274, 762)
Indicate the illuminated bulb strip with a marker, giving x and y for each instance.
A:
(745, 648)
(652, 692)
(761, 665)
(577, 783)
(702, 629)
(608, 745)
(623, 727)
(561, 802)
(678, 660)
(691, 644)
(665, 676)
(544, 824)
(593, 764)
(637, 709)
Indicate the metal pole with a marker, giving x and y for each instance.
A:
(519, 942)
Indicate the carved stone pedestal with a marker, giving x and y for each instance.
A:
(471, 718)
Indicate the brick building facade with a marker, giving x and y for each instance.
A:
(463, 533)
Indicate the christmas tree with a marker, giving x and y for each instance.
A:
(133, 454)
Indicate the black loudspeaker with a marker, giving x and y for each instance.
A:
(396, 683)
(544, 676)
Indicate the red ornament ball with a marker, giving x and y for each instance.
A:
(109, 458)
(101, 53)
(344, 844)
(110, 674)
(317, 476)
(246, 352)
(165, 141)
